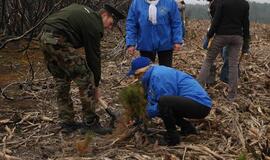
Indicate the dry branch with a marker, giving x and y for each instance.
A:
(31, 29)
(8, 157)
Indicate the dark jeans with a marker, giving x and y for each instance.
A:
(164, 57)
(234, 44)
(173, 109)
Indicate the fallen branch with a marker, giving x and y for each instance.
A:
(130, 132)
(8, 157)
(203, 149)
(217, 156)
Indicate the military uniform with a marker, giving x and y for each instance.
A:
(74, 27)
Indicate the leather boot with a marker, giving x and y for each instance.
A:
(172, 138)
(92, 124)
(186, 127)
(69, 127)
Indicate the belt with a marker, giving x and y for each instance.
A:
(54, 32)
(50, 29)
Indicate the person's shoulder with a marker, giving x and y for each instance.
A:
(157, 70)
(160, 67)
(246, 3)
(218, 2)
(136, 1)
(163, 70)
(76, 5)
(79, 8)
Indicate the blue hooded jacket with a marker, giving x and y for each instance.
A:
(164, 81)
(140, 32)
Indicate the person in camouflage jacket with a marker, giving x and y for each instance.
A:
(70, 28)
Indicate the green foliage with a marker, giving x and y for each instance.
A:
(242, 156)
(134, 102)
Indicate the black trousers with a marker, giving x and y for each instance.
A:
(164, 57)
(173, 109)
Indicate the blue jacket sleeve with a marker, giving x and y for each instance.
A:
(176, 24)
(132, 25)
(152, 110)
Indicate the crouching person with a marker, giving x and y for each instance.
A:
(173, 96)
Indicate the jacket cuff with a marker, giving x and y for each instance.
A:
(130, 46)
(130, 43)
(152, 110)
(178, 42)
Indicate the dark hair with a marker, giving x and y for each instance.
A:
(101, 11)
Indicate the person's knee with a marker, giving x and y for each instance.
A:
(204, 113)
(163, 106)
(162, 102)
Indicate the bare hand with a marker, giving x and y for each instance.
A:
(176, 47)
(131, 50)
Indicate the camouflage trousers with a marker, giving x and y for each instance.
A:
(66, 65)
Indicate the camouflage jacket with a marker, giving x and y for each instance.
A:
(83, 28)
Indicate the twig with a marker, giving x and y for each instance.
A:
(3, 90)
(26, 140)
(202, 148)
(184, 154)
(122, 137)
(8, 157)
(212, 153)
(111, 144)
(31, 69)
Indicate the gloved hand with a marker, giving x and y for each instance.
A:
(205, 42)
(137, 122)
(245, 46)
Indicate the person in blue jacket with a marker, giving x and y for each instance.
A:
(172, 95)
(154, 27)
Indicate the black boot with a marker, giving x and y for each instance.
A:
(186, 127)
(172, 138)
(92, 124)
(70, 127)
